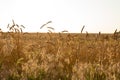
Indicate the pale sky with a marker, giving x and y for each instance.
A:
(71, 15)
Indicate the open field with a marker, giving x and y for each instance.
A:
(59, 56)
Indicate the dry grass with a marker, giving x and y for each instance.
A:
(58, 56)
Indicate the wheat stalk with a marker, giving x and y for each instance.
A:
(64, 31)
(45, 24)
(82, 28)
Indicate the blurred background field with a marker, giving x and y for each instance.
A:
(59, 56)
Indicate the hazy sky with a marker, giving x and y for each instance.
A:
(71, 15)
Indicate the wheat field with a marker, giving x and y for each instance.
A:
(58, 56)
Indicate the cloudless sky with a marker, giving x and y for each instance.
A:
(71, 15)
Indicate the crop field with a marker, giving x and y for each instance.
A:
(59, 56)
